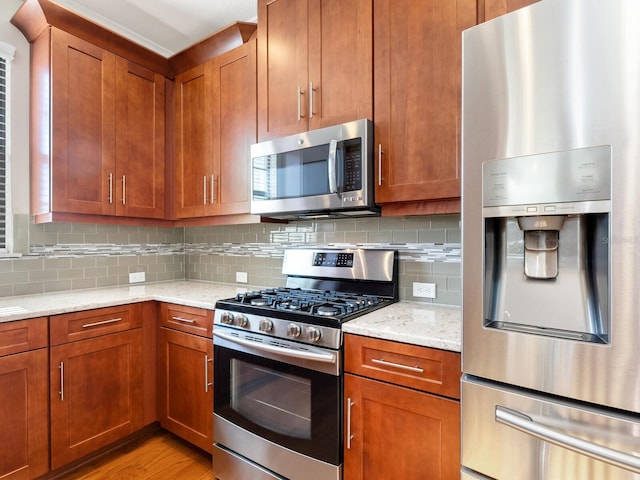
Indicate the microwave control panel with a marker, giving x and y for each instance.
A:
(352, 165)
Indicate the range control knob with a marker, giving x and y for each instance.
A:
(313, 334)
(226, 318)
(293, 330)
(242, 321)
(266, 325)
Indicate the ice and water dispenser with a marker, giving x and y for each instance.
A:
(546, 243)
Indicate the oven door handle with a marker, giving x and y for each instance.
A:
(285, 352)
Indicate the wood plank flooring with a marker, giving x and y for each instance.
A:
(158, 457)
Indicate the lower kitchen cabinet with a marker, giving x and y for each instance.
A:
(395, 426)
(24, 432)
(96, 380)
(185, 368)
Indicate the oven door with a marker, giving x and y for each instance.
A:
(272, 410)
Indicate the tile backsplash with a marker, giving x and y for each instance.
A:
(70, 256)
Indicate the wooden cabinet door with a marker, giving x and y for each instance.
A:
(397, 432)
(234, 126)
(417, 81)
(495, 8)
(314, 64)
(96, 393)
(186, 386)
(282, 68)
(24, 433)
(139, 175)
(83, 125)
(194, 141)
(340, 62)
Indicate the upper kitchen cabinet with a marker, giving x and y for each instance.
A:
(97, 123)
(495, 8)
(314, 64)
(215, 106)
(417, 81)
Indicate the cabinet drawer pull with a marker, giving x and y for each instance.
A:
(61, 392)
(184, 320)
(207, 384)
(310, 100)
(349, 436)
(213, 189)
(124, 190)
(103, 322)
(382, 361)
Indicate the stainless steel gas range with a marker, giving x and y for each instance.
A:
(278, 364)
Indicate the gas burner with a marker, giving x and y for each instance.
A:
(327, 310)
(260, 302)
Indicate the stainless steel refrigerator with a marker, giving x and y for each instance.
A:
(551, 243)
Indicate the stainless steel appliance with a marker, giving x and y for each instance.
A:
(278, 364)
(322, 173)
(551, 273)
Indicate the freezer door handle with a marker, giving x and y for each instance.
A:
(526, 424)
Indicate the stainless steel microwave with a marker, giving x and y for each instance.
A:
(317, 174)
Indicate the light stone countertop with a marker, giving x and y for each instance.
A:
(425, 324)
(191, 293)
(409, 322)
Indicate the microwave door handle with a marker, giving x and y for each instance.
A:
(331, 167)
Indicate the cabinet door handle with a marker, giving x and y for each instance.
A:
(110, 188)
(103, 322)
(379, 164)
(310, 100)
(349, 435)
(213, 189)
(61, 392)
(184, 320)
(207, 384)
(204, 190)
(124, 190)
(382, 361)
(300, 93)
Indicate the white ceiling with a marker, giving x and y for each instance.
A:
(164, 26)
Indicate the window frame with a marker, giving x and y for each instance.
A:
(7, 54)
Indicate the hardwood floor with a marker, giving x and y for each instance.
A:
(158, 457)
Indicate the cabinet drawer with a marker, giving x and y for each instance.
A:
(427, 369)
(23, 335)
(197, 321)
(93, 323)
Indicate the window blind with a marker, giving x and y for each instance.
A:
(6, 56)
(3, 153)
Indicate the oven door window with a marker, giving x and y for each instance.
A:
(294, 407)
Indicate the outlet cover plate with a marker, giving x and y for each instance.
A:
(136, 277)
(241, 277)
(424, 290)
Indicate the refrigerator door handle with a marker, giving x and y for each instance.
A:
(526, 424)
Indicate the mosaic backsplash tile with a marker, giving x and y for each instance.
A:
(69, 256)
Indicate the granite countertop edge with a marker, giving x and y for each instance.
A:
(415, 323)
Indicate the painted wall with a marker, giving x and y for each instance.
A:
(19, 128)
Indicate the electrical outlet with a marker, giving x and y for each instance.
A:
(136, 277)
(424, 290)
(241, 277)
